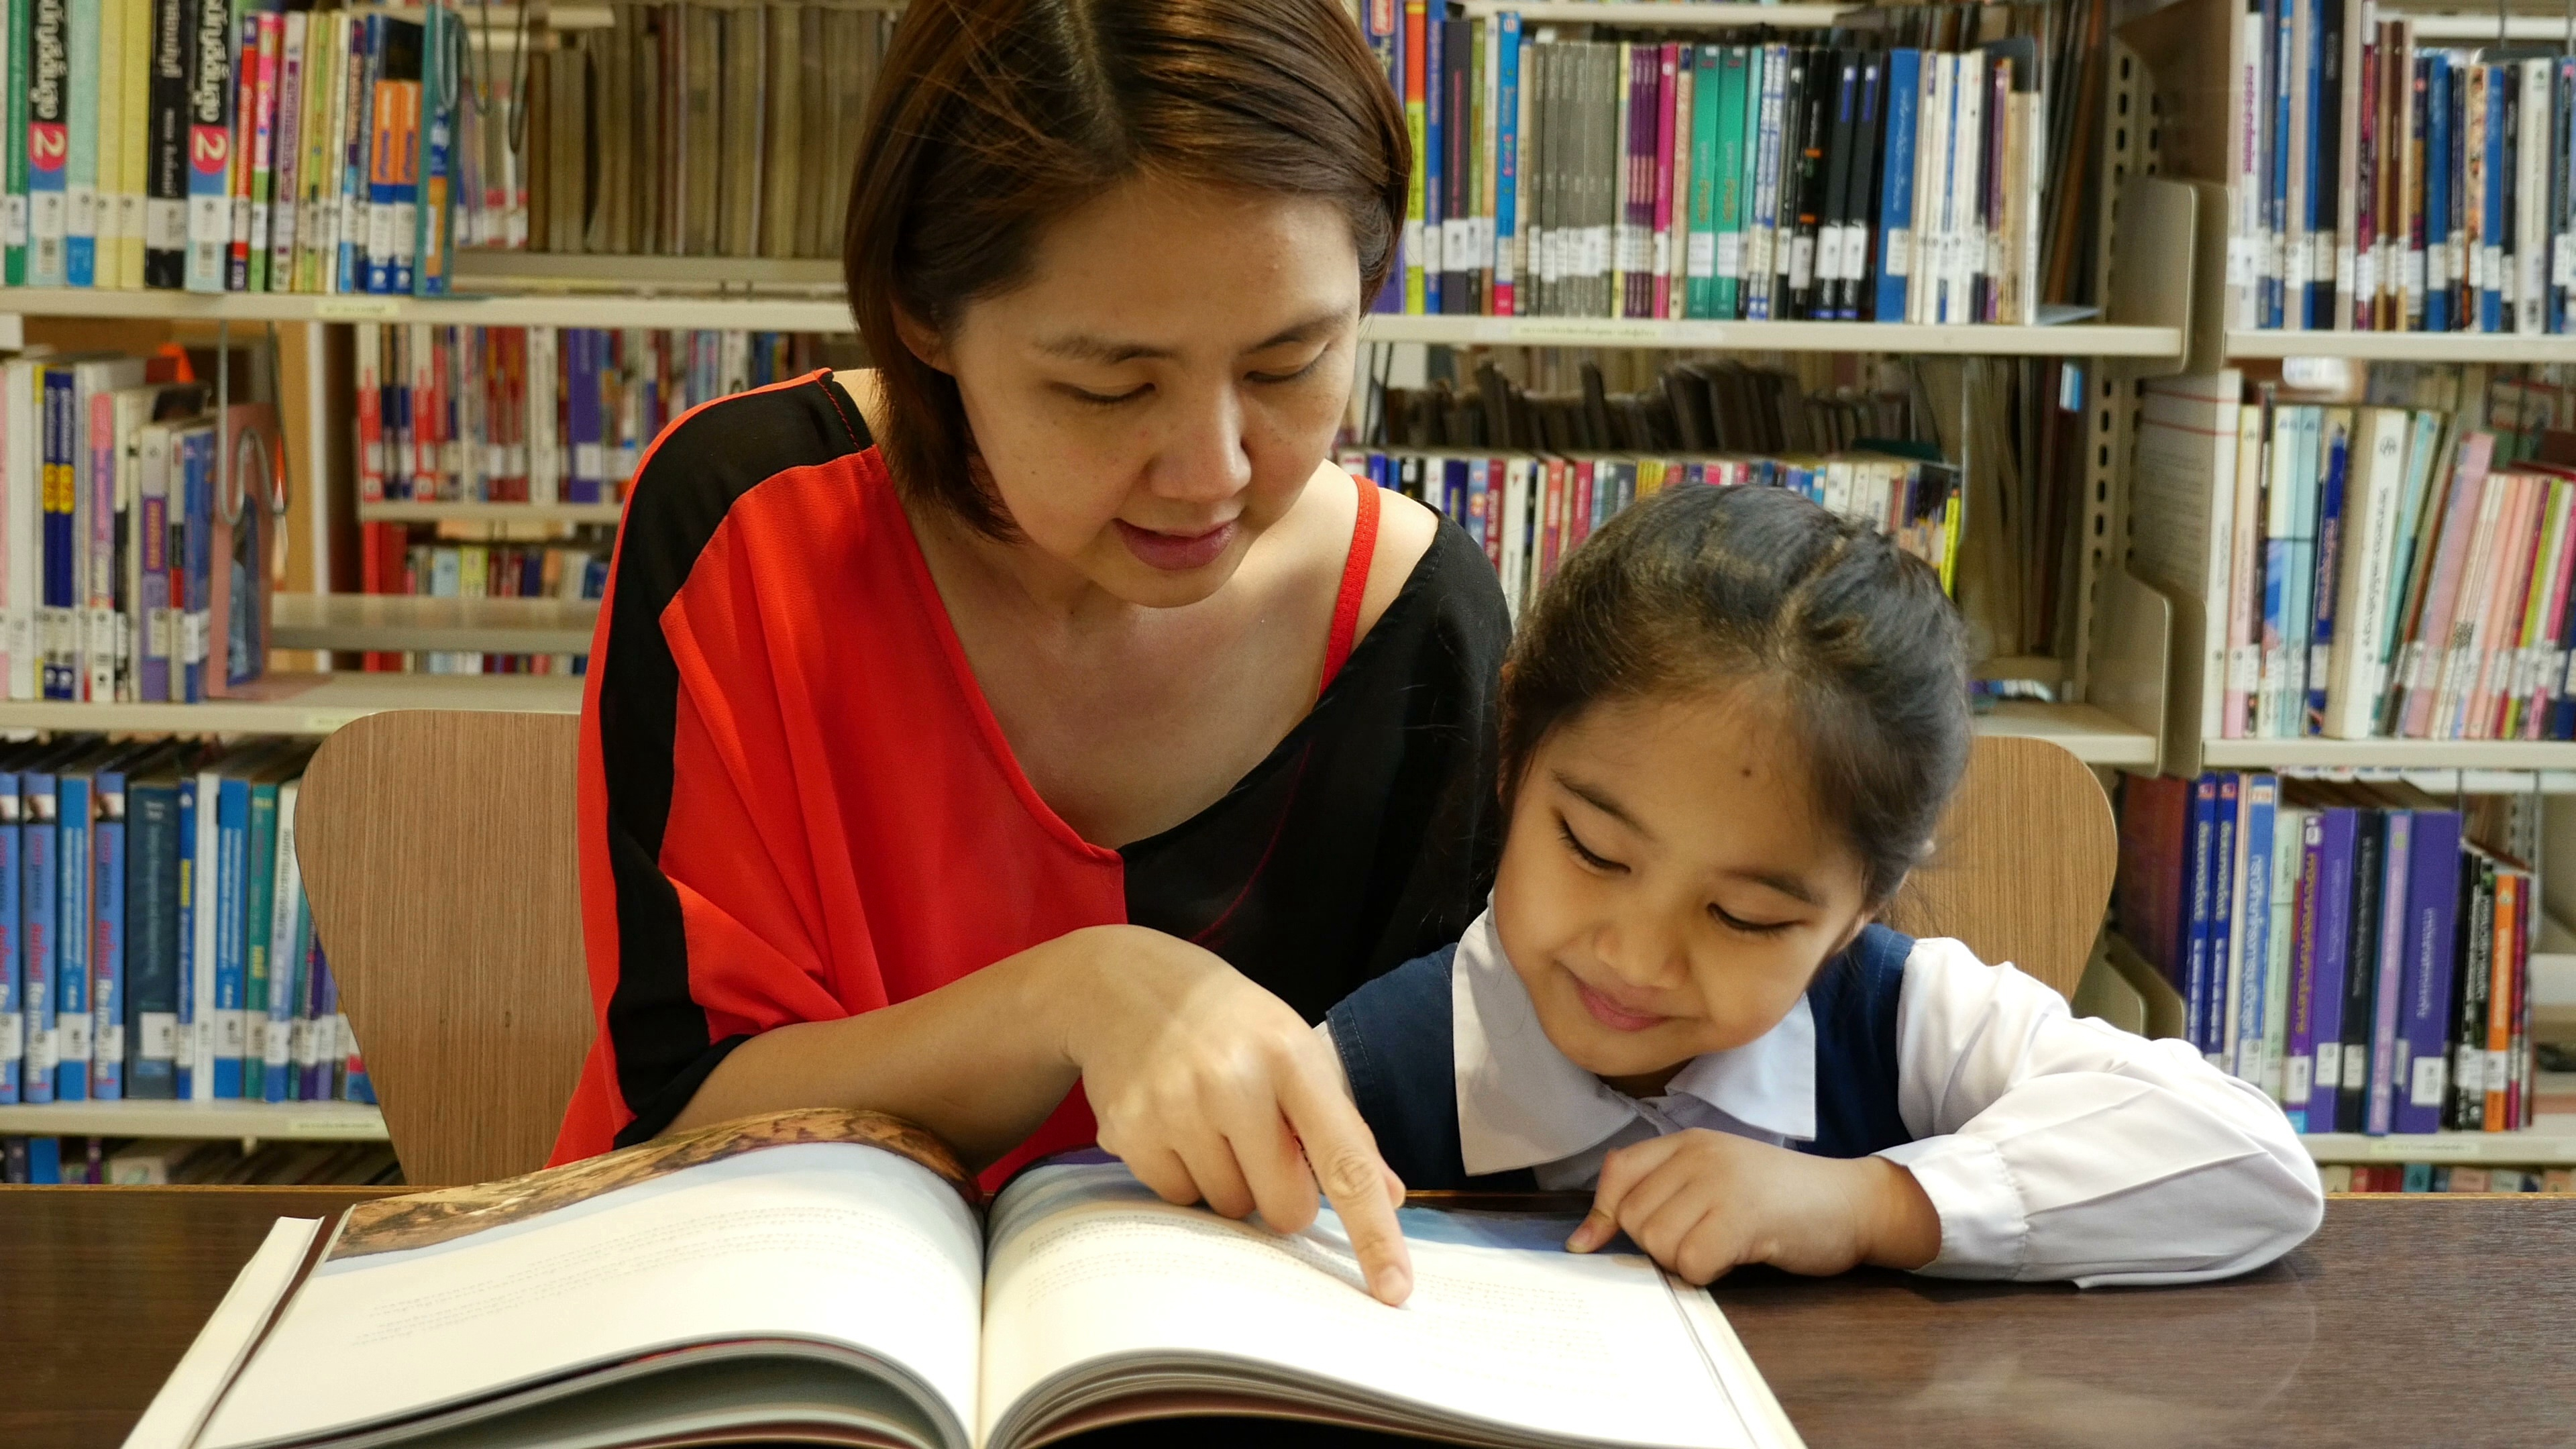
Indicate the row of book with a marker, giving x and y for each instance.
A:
(155, 938)
(165, 1161)
(2378, 184)
(540, 414)
(397, 560)
(2354, 950)
(2364, 571)
(1528, 513)
(678, 130)
(1713, 405)
(2444, 1177)
(132, 525)
(1890, 173)
(219, 146)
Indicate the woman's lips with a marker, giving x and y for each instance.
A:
(1176, 553)
(1611, 1014)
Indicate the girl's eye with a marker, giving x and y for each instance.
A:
(1276, 377)
(1744, 927)
(1106, 400)
(1584, 852)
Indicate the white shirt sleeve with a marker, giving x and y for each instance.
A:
(2062, 1149)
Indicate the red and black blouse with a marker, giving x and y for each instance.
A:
(796, 805)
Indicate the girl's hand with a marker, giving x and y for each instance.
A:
(1701, 1203)
(1213, 1089)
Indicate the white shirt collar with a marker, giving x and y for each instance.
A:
(1522, 1103)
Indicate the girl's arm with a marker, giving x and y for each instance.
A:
(2054, 1148)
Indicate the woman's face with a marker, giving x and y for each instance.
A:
(1163, 386)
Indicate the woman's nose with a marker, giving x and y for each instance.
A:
(1202, 456)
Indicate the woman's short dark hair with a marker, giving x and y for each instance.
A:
(1705, 587)
(996, 117)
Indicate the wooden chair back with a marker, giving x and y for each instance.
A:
(2022, 871)
(439, 852)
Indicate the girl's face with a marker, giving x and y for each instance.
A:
(1161, 389)
(1667, 887)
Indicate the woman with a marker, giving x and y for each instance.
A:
(1040, 730)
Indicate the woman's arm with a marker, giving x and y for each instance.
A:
(2062, 1149)
(1209, 1087)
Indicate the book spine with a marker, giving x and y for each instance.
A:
(101, 645)
(1896, 191)
(2325, 578)
(108, 1002)
(13, 968)
(2289, 834)
(2261, 799)
(2388, 992)
(196, 563)
(16, 65)
(2197, 991)
(151, 941)
(2361, 968)
(167, 135)
(2428, 941)
(286, 155)
(72, 933)
(48, 143)
(232, 961)
(2225, 962)
(285, 954)
(80, 151)
(2327, 920)
(55, 626)
(38, 843)
(210, 144)
(199, 933)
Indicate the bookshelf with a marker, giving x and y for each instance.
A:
(2537, 1147)
(2528, 755)
(249, 1121)
(1666, 15)
(305, 704)
(360, 622)
(487, 513)
(2074, 339)
(2402, 346)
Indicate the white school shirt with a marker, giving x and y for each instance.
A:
(2051, 1148)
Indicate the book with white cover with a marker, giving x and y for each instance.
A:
(826, 1277)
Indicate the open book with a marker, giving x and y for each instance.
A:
(826, 1277)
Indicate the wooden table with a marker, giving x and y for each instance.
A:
(2407, 1320)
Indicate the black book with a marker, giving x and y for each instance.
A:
(1860, 202)
(1841, 142)
(1457, 150)
(1816, 99)
(2361, 966)
(1693, 419)
(2476, 955)
(165, 204)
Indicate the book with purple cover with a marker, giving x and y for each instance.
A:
(2388, 990)
(2432, 927)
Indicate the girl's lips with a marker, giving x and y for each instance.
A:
(1175, 553)
(1611, 1014)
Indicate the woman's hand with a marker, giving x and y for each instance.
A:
(1701, 1203)
(1213, 1089)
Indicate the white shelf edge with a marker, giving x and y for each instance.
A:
(278, 1121)
(1665, 14)
(2092, 735)
(2390, 754)
(2407, 346)
(2075, 339)
(406, 622)
(530, 309)
(489, 512)
(2533, 1148)
(306, 704)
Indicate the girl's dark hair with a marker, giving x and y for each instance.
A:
(1700, 587)
(996, 117)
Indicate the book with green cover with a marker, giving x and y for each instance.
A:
(260, 882)
(1700, 257)
(1737, 90)
(13, 148)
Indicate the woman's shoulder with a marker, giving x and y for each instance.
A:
(1447, 608)
(714, 454)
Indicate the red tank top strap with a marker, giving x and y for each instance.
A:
(1355, 575)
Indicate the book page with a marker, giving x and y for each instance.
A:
(828, 1243)
(1092, 1277)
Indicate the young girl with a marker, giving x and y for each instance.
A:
(1729, 729)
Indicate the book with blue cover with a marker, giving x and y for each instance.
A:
(153, 997)
(107, 930)
(2430, 945)
(2388, 982)
(13, 1002)
(72, 879)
